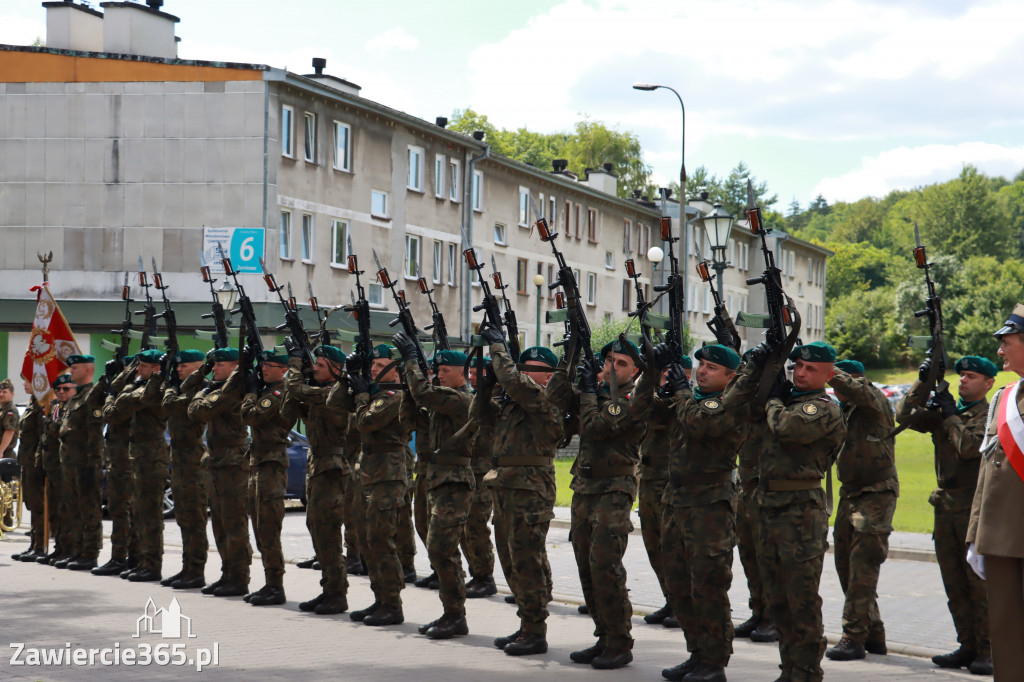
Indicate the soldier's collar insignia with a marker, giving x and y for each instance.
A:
(810, 408)
(379, 402)
(215, 397)
(614, 409)
(711, 404)
(265, 402)
(97, 413)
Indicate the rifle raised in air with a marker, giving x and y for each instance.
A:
(360, 310)
(249, 335)
(404, 314)
(148, 313)
(323, 336)
(170, 321)
(121, 350)
(642, 304)
(721, 325)
(509, 316)
(490, 306)
(437, 326)
(292, 321)
(673, 288)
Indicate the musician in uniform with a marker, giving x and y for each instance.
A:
(33, 481)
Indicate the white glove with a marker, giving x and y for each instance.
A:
(977, 561)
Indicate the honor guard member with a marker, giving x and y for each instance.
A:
(33, 480)
(806, 432)
(527, 427)
(699, 522)
(9, 428)
(270, 416)
(957, 430)
(449, 480)
(327, 468)
(604, 488)
(188, 471)
(48, 457)
(654, 457)
(81, 457)
(218, 405)
(383, 418)
(994, 536)
(867, 500)
(476, 538)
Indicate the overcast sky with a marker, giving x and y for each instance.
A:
(846, 98)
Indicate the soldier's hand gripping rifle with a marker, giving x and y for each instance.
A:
(148, 313)
(490, 305)
(220, 336)
(673, 288)
(509, 316)
(250, 335)
(721, 325)
(292, 321)
(437, 326)
(360, 310)
(171, 322)
(404, 314)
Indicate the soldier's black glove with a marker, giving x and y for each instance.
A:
(759, 353)
(112, 368)
(252, 383)
(924, 369)
(406, 347)
(358, 384)
(944, 401)
(587, 376)
(486, 378)
(293, 347)
(676, 380)
(492, 335)
(782, 388)
(663, 356)
(723, 337)
(208, 365)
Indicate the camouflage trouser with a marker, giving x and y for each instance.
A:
(697, 545)
(355, 517)
(651, 510)
(124, 541)
(325, 513)
(89, 496)
(861, 538)
(71, 520)
(748, 535)
(228, 490)
(523, 517)
(267, 483)
(57, 509)
(188, 485)
(149, 460)
(405, 537)
(449, 507)
(793, 543)
(384, 506)
(421, 502)
(476, 538)
(966, 592)
(501, 546)
(600, 530)
(33, 483)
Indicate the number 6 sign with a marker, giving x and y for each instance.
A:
(244, 245)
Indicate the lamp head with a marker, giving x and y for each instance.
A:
(645, 86)
(655, 254)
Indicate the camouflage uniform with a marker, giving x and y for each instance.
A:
(33, 480)
(867, 501)
(748, 513)
(957, 460)
(150, 459)
(218, 405)
(81, 457)
(405, 538)
(476, 536)
(328, 469)
(421, 503)
(383, 420)
(654, 464)
(449, 481)
(188, 475)
(48, 457)
(805, 435)
(124, 539)
(355, 499)
(526, 428)
(604, 487)
(10, 421)
(271, 416)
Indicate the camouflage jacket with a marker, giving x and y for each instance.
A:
(119, 421)
(526, 424)
(9, 421)
(185, 433)
(271, 416)
(326, 425)
(383, 421)
(48, 455)
(81, 430)
(144, 400)
(956, 440)
(656, 446)
(867, 462)
(30, 433)
(218, 406)
(448, 409)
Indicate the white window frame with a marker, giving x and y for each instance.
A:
(627, 236)
(522, 276)
(609, 260)
(792, 264)
(335, 261)
(413, 252)
(454, 180)
(288, 131)
(453, 259)
(627, 295)
(500, 234)
(375, 294)
(591, 288)
(285, 226)
(440, 168)
(477, 193)
(593, 225)
(552, 212)
(810, 269)
(308, 237)
(438, 261)
(342, 161)
(414, 179)
(374, 193)
(524, 206)
(577, 215)
(309, 137)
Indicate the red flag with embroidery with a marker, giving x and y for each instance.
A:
(50, 344)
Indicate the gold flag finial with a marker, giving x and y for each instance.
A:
(45, 259)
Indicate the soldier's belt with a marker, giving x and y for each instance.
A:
(328, 452)
(450, 460)
(381, 448)
(951, 485)
(778, 486)
(224, 444)
(605, 472)
(687, 480)
(524, 461)
(864, 482)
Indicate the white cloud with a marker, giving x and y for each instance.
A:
(393, 39)
(16, 30)
(909, 167)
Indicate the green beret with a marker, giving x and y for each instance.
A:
(718, 354)
(816, 351)
(382, 351)
(271, 356)
(450, 357)
(686, 362)
(539, 354)
(189, 355)
(225, 355)
(475, 362)
(6, 383)
(974, 363)
(617, 346)
(850, 366)
(77, 359)
(331, 353)
(62, 379)
(152, 356)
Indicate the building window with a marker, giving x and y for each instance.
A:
(552, 212)
(645, 239)
(454, 176)
(551, 279)
(310, 148)
(791, 270)
(286, 234)
(339, 242)
(592, 225)
(439, 169)
(810, 269)
(412, 255)
(453, 258)
(541, 206)
(287, 131)
(415, 169)
(500, 234)
(524, 207)
(627, 294)
(609, 260)
(591, 288)
(379, 204)
(522, 274)
(478, 190)
(342, 146)
(438, 261)
(375, 294)
(307, 238)
(576, 215)
(627, 237)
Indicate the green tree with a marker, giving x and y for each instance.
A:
(734, 191)
(856, 267)
(594, 144)
(861, 325)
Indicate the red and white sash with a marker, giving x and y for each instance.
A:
(1010, 428)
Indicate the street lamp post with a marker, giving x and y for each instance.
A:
(538, 281)
(226, 295)
(718, 225)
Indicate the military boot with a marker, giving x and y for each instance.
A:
(982, 665)
(425, 580)
(611, 659)
(211, 588)
(143, 575)
(705, 672)
(166, 582)
(502, 642)
(510, 599)
(765, 632)
(385, 615)
(678, 672)
(355, 566)
(409, 574)
(189, 581)
(229, 589)
(249, 595)
(526, 644)
(269, 596)
(82, 565)
(309, 606)
(62, 562)
(422, 629)
(112, 567)
(670, 621)
(957, 659)
(846, 650)
(876, 645)
(582, 608)
(46, 558)
(447, 626)
(33, 556)
(335, 603)
(746, 627)
(658, 616)
(306, 563)
(481, 587)
(587, 655)
(361, 614)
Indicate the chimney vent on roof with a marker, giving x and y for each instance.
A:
(479, 135)
(155, 4)
(559, 165)
(70, 26)
(319, 64)
(441, 122)
(608, 166)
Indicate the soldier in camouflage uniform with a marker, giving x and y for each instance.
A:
(604, 487)
(867, 501)
(476, 537)
(699, 522)
(48, 457)
(806, 431)
(81, 458)
(421, 501)
(355, 500)
(326, 427)
(218, 405)
(188, 472)
(9, 429)
(654, 458)
(383, 418)
(33, 480)
(957, 431)
(270, 415)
